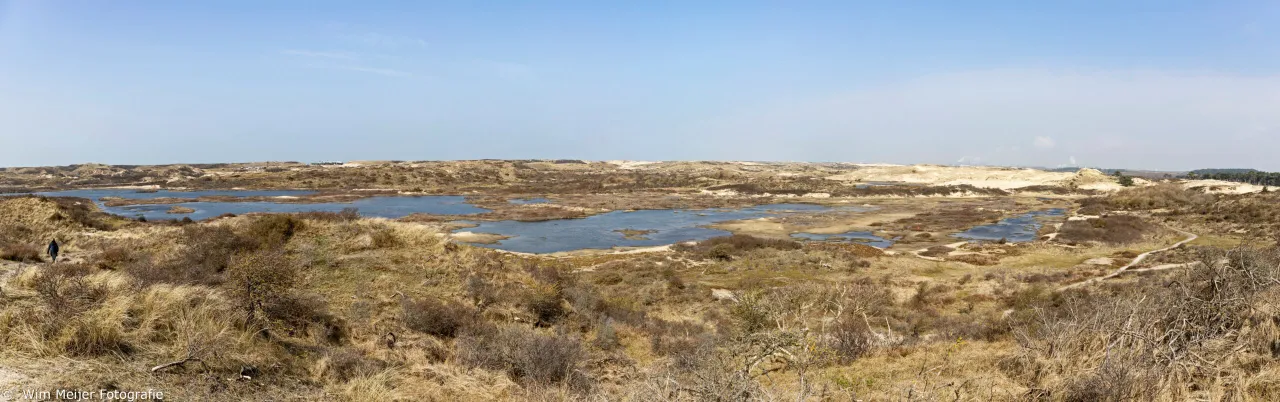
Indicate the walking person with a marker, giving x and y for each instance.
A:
(53, 250)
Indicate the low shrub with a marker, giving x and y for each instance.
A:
(434, 317)
(546, 303)
(525, 355)
(309, 316)
(273, 230)
(937, 251)
(726, 247)
(259, 279)
(851, 339)
(345, 364)
(19, 252)
(1113, 229)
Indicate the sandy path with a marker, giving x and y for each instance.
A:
(1190, 237)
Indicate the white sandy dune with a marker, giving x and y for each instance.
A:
(979, 176)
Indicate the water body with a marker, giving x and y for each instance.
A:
(857, 237)
(382, 207)
(1017, 229)
(597, 231)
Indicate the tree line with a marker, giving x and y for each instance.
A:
(1249, 176)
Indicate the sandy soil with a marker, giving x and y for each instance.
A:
(1223, 187)
(978, 176)
(481, 238)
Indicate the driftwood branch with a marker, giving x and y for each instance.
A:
(177, 363)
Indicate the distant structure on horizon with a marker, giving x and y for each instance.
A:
(324, 163)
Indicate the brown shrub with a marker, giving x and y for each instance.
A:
(63, 289)
(435, 317)
(525, 355)
(1113, 229)
(385, 238)
(937, 251)
(346, 364)
(205, 256)
(480, 291)
(606, 336)
(19, 252)
(305, 317)
(258, 279)
(851, 338)
(273, 230)
(976, 259)
(81, 211)
(546, 303)
(1164, 195)
(726, 247)
(115, 258)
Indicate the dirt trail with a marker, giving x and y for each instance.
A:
(1190, 237)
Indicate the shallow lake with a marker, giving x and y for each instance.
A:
(595, 232)
(382, 207)
(600, 231)
(1022, 228)
(855, 237)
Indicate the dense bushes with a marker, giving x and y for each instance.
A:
(524, 354)
(1112, 229)
(273, 230)
(435, 317)
(19, 252)
(1120, 343)
(1165, 195)
(727, 247)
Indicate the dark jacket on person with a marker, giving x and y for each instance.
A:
(53, 250)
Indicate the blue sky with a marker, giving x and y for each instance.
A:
(1136, 84)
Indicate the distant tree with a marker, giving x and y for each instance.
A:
(1126, 181)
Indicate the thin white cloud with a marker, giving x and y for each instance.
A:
(320, 54)
(1043, 142)
(508, 70)
(373, 70)
(379, 40)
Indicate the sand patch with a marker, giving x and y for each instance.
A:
(480, 238)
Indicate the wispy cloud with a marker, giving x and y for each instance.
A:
(320, 54)
(380, 40)
(372, 70)
(507, 70)
(1043, 142)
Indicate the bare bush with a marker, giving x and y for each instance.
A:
(851, 338)
(19, 252)
(546, 303)
(525, 355)
(1155, 340)
(257, 279)
(435, 317)
(1113, 229)
(273, 230)
(727, 247)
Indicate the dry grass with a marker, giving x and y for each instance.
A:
(327, 307)
(1112, 229)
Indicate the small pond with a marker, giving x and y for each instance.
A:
(523, 201)
(1022, 228)
(665, 226)
(382, 207)
(856, 237)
